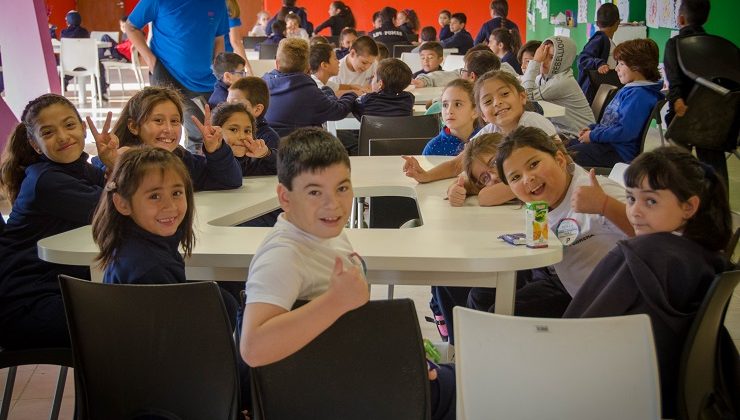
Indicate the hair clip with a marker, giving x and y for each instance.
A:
(111, 186)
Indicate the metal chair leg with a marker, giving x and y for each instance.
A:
(8, 393)
(57, 402)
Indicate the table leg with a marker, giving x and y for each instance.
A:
(505, 292)
(80, 89)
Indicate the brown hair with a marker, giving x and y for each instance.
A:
(225, 110)
(255, 90)
(365, 46)
(226, 62)
(138, 109)
(318, 54)
(109, 227)
(525, 137)
(607, 15)
(481, 62)
(463, 84)
(530, 47)
(19, 153)
(395, 74)
(432, 46)
(292, 55)
(485, 144)
(640, 55)
(501, 75)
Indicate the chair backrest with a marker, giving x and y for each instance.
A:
(98, 35)
(453, 62)
(527, 368)
(397, 146)
(400, 48)
(699, 367)
(369, 364)
(603, 96)
(448, 51)
(710, 58)
(617, 172)
(654, 116)
(712, 120)
(395, 127)
(78, 53)
(413, 60)
(268, 51)
(260, 67)
(597, 79)
(251, 41)
(152, 348)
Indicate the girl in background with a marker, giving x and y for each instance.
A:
(479, 174)
(407, 21)
(444, 24)
(255, 157)
(340, 17)
(501, 42)
(259, 28)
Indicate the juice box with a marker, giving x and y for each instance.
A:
(536, 224)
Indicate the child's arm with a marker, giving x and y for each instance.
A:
(444, 170)
(529, 78)
(626, 126)
(456, 192)
(676, 91)
(270, 333)
(495, 195)
(590, 57)
(593, 199)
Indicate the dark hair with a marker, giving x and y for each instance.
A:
(376, 15)
(139, 107)
(278, 27)
(607, 15)
(255, 90)
(345, 12)
(483, 144)
(73, 18)
(365, 45)
(395, 74)
(474, 48)
(432, 46)
(347, 31)
(640, 55)
(387, 14)
(481, 62)
(696, 12)
(524, 137)
(19, 153)
(226, 62)
(124, 18)
(108, 226)
(383, 52)
(463, 84)
(505, 37)
(460, 17)
(412, 18)
(674, 169)
(289, 3)
(501, 7)
(308, 149)
(316, 40)
(445, 12)
(529, 47)
(225, 110)
(428, 33)
(319, 53)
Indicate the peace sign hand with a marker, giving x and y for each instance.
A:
(105, 141)
(211, 134)
(256, 148)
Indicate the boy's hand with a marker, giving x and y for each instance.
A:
(680, 107)
(456, 193)
(603, 69)
(412, 169)
(238, 148)
(541, 53)
(348, 287)
(589, 199)
(585, 136)
(256, 148)
(211, 134)
(105, 141)
(418, 83)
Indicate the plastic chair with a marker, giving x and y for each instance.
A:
(654, 116)
(412, 60)
(369, 364)
(400, 48)
(603, 96)
(251, 41)
(398, 146)
(133, 66)
(11, 359)
(145, 349)
(82, 54)
(597, 79)
(260, 67)
(617, 173)
(453, 62)
(98, 35)
(529, 368)
(703, 377)
(268, 51)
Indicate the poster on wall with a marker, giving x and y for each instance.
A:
(677, 4)
(651, 13)
(582, 11)
(624, 10)
(542, 6)
(666, 13)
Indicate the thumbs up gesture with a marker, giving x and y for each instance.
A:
(590, 198)
(348, 286)
(456, 193)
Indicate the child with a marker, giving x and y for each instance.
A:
(340, 17)
(52, 189)
(460, 39)
(228, 68)
(460, 119)
(480, 177)
(597, 54)
(377, 20)
(679, 210)
(74, 27)
(383, 52)
(317, 39)
(444, 24)
(499, 12)
(260, 27)
(322, 61)
(617, 137)
(388, 33)
(289, 6)
(277, 34)
(526, 53)
(295, 99)
(293, 27)
(252, 92)
(407, 21)
(431, 55)
(153, 117)
(549, 77)
(358, 67)
(501, 42)
(239, 128)
(346, 39)
(427, 34)
(388, 97)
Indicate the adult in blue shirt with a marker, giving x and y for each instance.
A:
(187, 35)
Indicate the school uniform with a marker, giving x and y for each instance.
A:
(595, 54)
(444, 32)
(301, 12)
(336, 23)
(510, 58)
(53, 198)
(389, 35)
(462, 40)
(446, 143)
(347, 76)
(491, 25)
(219, 95)
(385, 104)
(422, 71)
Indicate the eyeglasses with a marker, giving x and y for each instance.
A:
(463, 72)
(488, 177)
(242, 73)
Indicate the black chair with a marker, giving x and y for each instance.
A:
(369, 364)
(709, 372)
(2, 223)
(11, 359)
(398, 147)
(268, 51)
(597, 79)
(151, 350)
(412, 37)
(654, 116)
(604, 95)
(251, 41)
(398, 49)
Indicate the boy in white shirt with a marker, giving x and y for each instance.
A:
(358, 67)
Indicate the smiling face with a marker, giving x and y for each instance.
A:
(159, 204)
(59, 134)
(320, 202)
(458, 111)
(237, 129)
(456, 25)
(534, 175)
(626, 74)
(651, 211)
(292, 24)
(430, 61)
(359, 63)
(501, 104)
(162, 128)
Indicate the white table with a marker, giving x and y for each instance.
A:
(455, 246)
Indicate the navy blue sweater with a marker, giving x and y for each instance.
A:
(462, 40)
(268, 164)
(490, 26)
(595, 54)
(296, 101)
(389, 35)
(510, 58)
(146, 258)
(53, 198)
(220, 92)
(444, 32)
(384, 104)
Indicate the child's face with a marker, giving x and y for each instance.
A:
(262, 19)
(348, 40)
(535, 175)
(236, 96)
(496, 47)
(232, 76)
(501, 104)
(443, 19)
(626, 74)
(320, 202)
(333, 68)
(400, 18)
(291, 24)
(159, 204)
(526, 58)
(483, 170)
(456, 25)
(59, 134)
(430, 61)
(651, 211)
(333, 10)
(162, 128)
(237, 129)
(458, 111)
(378, 22)
(360, 63)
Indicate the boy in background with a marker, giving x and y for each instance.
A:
(322, 61)
(460, 39)
(228, 67)
(358, 67)
(277, 34)
(597, 53)
(295, 99)
(431, 55)
(388, 98)
(427, 34)
(347, 37)
(252, 92)
(388, 33)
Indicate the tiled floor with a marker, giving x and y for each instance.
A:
(34, 386)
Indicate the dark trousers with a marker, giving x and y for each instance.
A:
(160, 76)
(593, 154)
(39, 324)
